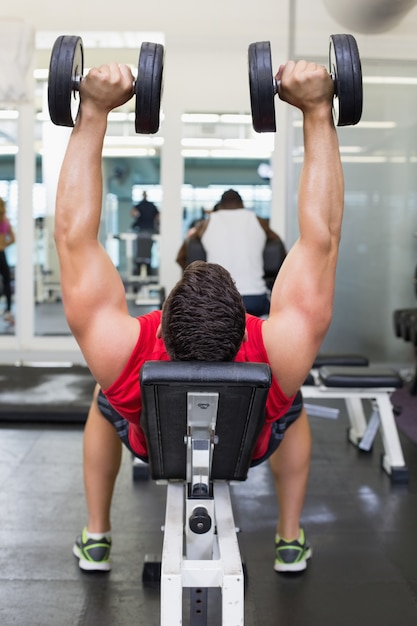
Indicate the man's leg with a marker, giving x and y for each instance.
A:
(102, 455)
(290, 465)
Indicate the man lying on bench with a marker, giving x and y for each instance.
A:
(203, 318)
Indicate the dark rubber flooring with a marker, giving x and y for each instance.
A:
(54, 393)
(362, 528)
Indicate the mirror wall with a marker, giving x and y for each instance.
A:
(8, 192)
(378, 252)
(221, 151)
(379, 248)
(218, 151)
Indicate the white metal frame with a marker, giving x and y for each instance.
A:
(206, 560)
(361, 432)
(208, 556)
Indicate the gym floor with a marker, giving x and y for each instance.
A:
(362, 529)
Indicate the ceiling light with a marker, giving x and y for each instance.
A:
(389, 80)
(362, 124)
(9, 115)
(202, 143)
(123, 151)
(200, 154)
(200, 118)
(229, 118)
(6, 150)
(132, 140)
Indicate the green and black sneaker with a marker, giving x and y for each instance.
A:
(92, 554)
(291, 556)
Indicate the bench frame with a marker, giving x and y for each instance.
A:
(197, 445)
(362, 432)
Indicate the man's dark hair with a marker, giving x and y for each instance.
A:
(231, 198)
(203, 318)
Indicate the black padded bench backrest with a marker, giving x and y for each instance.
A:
(362, 377)
(242, 388)
(342, 359)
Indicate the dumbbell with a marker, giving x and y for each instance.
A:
(344, 68)
(66, 72)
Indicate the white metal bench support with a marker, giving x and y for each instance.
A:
(362, 432)
(223, 568)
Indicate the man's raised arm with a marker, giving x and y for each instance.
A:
(93, 293)
(302, 296)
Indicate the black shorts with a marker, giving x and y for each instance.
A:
(280, 426)
(277, 432)
(120, 423)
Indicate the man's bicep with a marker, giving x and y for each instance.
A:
(107, 345)
(90, 282)
(100, 322)
(292, 342)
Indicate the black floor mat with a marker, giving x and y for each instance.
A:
(45, 394)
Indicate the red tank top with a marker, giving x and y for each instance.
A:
(125, 396)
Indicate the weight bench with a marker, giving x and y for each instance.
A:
(201, 422)
(354, 384)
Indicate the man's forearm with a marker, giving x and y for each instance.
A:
(321, 191)
(79, 193)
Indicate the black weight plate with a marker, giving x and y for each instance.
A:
(149, 88)
(65, 70)
(261, 87)
(345, 65)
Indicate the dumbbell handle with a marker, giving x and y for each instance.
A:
(76, 80)
(277, 84)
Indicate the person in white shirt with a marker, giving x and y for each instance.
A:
(235, 238)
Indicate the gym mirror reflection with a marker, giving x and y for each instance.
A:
(8, 193)
(377, 256)
(134, 251)
(222, 151)
(132, 170)
(131, 167)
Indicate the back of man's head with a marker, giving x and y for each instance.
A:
(231, 199)
(203, 317)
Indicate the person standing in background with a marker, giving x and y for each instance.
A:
(235, 238)
(146, 216)
(7, 237)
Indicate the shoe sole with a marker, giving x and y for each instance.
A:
(90, 566)
(294, 567)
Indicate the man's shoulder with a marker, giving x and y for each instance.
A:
(150, 319)
(148, 326)
(254, 346)
(148, 344)
(253, 324)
